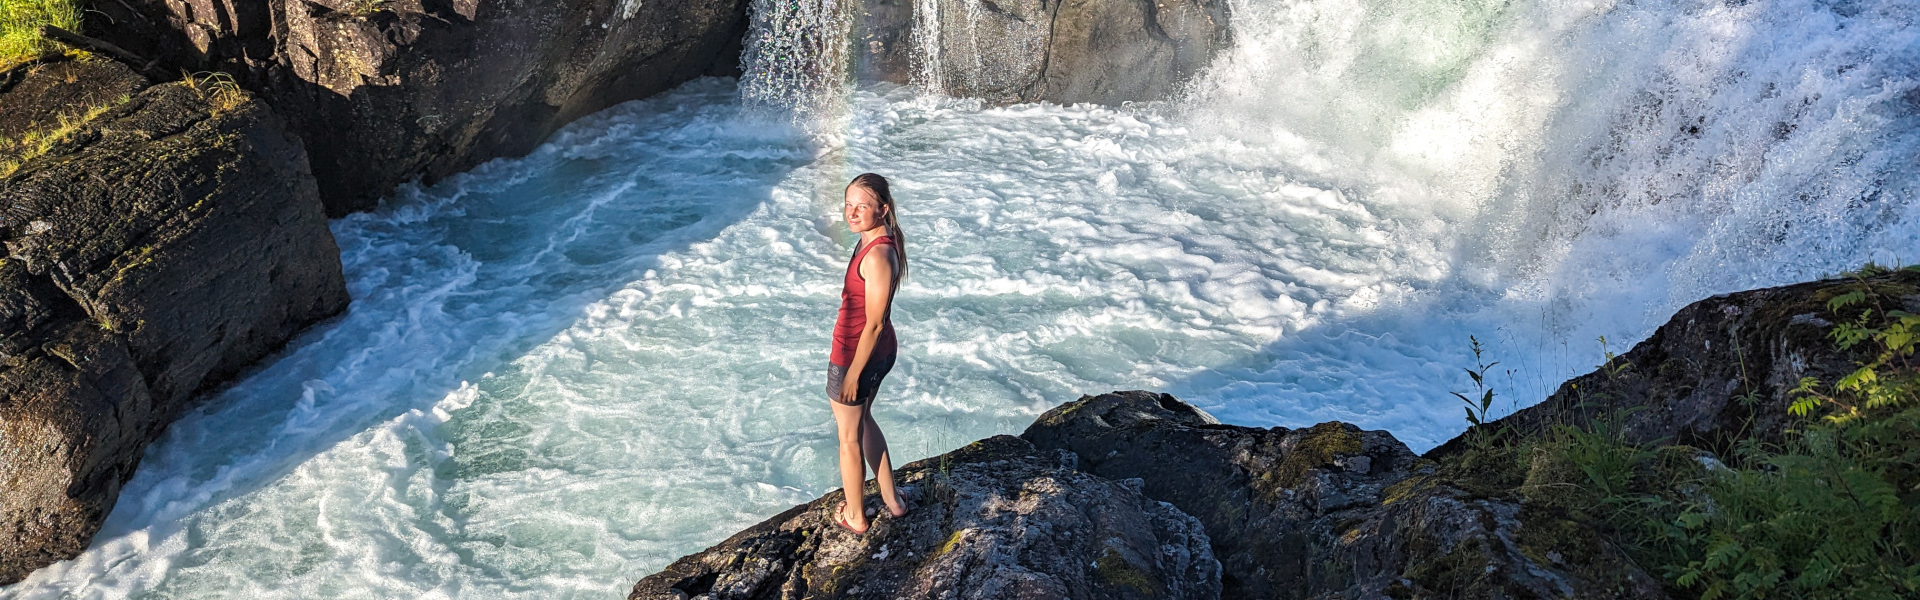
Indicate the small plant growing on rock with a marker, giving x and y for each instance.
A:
(220, 90)
(33, 144)
(1889, 379)
(1836, 512)
(1480, 434)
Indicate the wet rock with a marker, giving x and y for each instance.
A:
(152, 253)
(1327, 511)
(1062, 51)
(1721, 370)
(386, 91)
(997, 519)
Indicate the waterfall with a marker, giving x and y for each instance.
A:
(566, 370)
(798, 54)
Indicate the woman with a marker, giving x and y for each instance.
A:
(864, 346)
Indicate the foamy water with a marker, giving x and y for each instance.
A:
(563, 371)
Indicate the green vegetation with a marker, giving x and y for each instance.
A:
(20, 22)
(1836, 512)
(1117, 572)
(221, 91)
(367, 8)
(16, 152)
(1832, 512)
(1318, 448)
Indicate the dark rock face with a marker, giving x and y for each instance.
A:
(1720, 370)
(383, 92)
(1331, 511)
(995, 520)
(1062, 51)
(37, 97)
(1328, 511)
(151, 254)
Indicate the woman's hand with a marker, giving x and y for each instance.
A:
(850, 389)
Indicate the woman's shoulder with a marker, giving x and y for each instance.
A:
(881, 248)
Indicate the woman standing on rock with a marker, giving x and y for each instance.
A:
(864, 346)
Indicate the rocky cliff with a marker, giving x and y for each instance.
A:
(1721, 370)
(384, 91)
(1061, 51)
(153, 250)
(1510, 510)
(997, 519)
(1328, 511)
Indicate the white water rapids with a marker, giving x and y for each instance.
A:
(561, 372)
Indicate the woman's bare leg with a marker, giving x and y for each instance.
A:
(874, 444)
(853, 472)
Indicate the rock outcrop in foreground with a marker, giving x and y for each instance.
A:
(152, 252)
(1331, 511)
(1721, 370)
(995, 520)
(1327, 511)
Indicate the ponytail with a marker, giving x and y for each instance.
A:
(878, 185)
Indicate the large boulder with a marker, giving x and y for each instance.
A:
(1062, 51)
(995, 520)
(152, 252)
(1720, 371)
(384, 91)
(1328, 511)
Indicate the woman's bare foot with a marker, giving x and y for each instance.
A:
(850, 524)
(896, 509)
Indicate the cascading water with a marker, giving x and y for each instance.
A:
(563, 371)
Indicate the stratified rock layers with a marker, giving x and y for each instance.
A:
(152, 252)
(995, 520)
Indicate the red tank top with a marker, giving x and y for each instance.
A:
(853, 315)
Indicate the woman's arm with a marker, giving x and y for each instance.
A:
(877, 269)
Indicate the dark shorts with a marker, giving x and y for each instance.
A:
(869, 380)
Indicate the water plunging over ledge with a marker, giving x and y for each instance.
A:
(563, 371)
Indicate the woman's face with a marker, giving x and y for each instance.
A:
(862, 209)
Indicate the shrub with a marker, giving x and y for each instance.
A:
(1836, 512)
(1832, 513)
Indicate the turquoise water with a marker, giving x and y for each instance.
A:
(561, 372)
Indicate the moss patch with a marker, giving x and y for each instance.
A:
(1405, 489)
(1118, 573)
(1316, 449)
(1451, 573)
(1059, 414)
(953, 541)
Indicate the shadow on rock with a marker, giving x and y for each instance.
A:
(997, 519)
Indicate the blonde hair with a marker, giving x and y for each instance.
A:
(878, 185)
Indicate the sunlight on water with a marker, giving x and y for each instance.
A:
(563, 371)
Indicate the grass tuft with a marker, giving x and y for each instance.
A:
(16, 152)
(20, 22)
